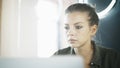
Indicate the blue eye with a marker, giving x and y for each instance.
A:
(78, 27)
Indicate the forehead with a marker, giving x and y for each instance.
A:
(75, 17)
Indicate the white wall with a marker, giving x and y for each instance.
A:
(18, 29)
(27, 31)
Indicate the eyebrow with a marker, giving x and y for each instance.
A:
(75, 23)
(66, 24)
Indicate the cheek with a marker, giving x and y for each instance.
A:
(83, 34)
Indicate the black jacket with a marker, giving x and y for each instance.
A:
(102, 57)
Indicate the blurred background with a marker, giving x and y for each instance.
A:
(33, 28)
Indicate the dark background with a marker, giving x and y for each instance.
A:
(108, 33)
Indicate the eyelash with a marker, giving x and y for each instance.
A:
(67, 28)
(76, 27)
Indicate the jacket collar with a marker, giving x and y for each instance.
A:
(96, 59)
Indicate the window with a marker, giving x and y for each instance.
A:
(47, 38)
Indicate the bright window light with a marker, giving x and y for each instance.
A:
(47, 13)
(81, 1)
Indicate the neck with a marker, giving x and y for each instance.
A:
(86, 52)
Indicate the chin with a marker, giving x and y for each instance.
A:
(74, 46)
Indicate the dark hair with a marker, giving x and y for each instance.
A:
(84, 8)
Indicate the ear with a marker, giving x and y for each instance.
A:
(93, 30)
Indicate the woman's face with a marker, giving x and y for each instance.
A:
(77, 29)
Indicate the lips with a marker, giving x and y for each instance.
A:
(72, 40)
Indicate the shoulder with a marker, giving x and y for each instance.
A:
(109, 54)
(108, 51)
(65, 51)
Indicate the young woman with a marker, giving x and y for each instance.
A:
(81, 23)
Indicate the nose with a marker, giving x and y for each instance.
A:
(71, 32)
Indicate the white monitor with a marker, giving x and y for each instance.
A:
(53, 62)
